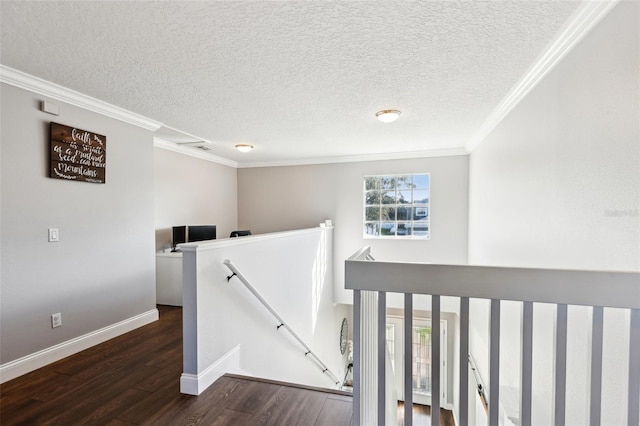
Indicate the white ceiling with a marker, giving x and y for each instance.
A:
(299, 80)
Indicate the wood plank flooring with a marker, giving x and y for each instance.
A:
(134, 380)
(422, 415)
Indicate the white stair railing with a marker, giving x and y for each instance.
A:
(373, 279)
(281, 322)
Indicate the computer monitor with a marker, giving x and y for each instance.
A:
(202, 233)
(179, 236)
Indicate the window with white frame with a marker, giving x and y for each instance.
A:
(397, 206)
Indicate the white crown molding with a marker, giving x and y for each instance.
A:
(37, 85)
(587, 16)
(32, 362)
(192, 152)
(54, 91)
(449, 152)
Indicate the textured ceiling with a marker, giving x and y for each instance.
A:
(297, 79)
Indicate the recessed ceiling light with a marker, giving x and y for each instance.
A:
(243, 147)
(388, 115)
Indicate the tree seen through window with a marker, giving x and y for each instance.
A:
(397, 206)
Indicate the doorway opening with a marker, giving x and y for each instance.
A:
(421, 357)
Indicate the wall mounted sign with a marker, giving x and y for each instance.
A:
(77, 154)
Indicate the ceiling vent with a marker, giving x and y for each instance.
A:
(201, 145)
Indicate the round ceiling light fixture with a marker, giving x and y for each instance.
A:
(388, 115)
(243, 147)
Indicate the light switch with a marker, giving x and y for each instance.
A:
(54, 235)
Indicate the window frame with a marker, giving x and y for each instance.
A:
(389, 196)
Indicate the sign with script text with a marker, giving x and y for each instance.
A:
(77, 154)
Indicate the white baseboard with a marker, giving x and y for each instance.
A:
(192, 384)
(455, 418)
(32, 362)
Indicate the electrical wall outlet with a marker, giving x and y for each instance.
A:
(56, 320)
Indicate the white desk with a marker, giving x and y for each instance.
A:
(169, 279)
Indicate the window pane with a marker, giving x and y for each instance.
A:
(404, 213)
(371, 182)
(420, 196)
(388, 182)
(403, 228)
(388, 197)
(372, 213)
(387, 228)
(372, 228)
(372, 198)
(422, 360)
(421, 181)
(391, 328)
(420, 213)
(388, 213)
(404, 197)
(404, 182)
(420, 229)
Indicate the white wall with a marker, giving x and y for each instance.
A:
(192, 191)
(103, 269)
(557, 185)
(280, 198)
(292, 272)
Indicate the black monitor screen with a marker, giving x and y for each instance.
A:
(179, 235)
(202, 233)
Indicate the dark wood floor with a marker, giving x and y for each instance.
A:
(134, 379)
(422, 415)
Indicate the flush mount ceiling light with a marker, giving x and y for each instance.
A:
(388, 115)
(243, 147)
